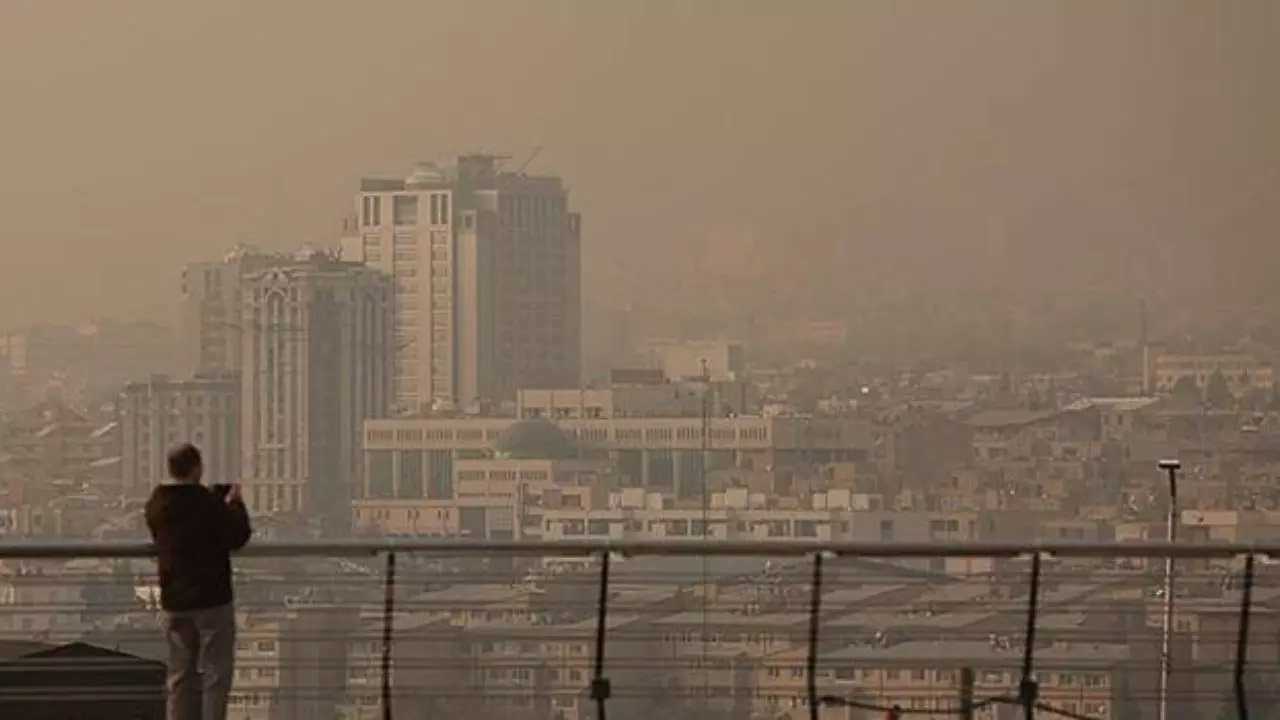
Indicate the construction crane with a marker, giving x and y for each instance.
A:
(536, 151)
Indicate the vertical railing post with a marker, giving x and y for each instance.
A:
(388, 629)
(1028, 688)
(966, 693)
(811, 663)
(1166, 623)
(600, 687)
(1242, 640)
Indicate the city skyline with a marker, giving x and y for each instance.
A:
(812, 361)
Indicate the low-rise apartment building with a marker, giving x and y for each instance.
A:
(663, 399)
(44, 600)
(501, 497)
(545, 670)
(659, 454)
(291, 664)
(160, 413)
(1241, 371)
(428, 665)
(1093, 679)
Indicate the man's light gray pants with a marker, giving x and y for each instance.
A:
(202, 658)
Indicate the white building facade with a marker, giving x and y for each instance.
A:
(487, 268)
(317, 363)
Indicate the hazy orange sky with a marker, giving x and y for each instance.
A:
(139, 134)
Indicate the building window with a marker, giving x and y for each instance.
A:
(371, 211)
(381, 474)
(404, 211)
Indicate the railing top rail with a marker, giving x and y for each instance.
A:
(11, 549)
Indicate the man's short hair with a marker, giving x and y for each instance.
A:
(183, 461)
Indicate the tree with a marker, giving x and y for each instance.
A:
(1216, 394)
(1185, 390)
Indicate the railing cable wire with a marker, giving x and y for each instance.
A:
(1044, 707)
(14, 550)
(600, 687)
(896, 710)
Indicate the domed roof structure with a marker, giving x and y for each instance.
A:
(536, 439)
(425, 174)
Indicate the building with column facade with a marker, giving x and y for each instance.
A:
(487, 268)
(661, 399)
(503, 478)
(316, 363)
(530, 467)
(659, 454)
(157, 414)
(211, 329)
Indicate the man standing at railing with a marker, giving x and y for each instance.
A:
(195, 530)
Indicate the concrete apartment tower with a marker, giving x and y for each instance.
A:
(315, 363)
(210, 316)
(160, 412)
(488, 288)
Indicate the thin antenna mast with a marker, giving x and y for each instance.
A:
(536, 151)
(1144, 346)
(706, 520)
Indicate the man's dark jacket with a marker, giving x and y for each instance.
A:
(195, 531)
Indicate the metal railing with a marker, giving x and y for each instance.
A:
(815, 593)
(681, 548)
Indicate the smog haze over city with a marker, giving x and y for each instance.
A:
(478, 293)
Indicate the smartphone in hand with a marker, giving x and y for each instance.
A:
(222, 490)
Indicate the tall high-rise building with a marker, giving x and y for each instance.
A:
(316, 361)
(161, 412)
(487, 268)
(211, 297)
